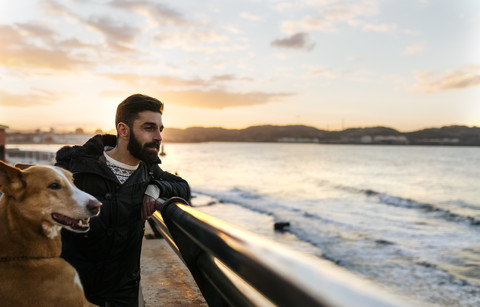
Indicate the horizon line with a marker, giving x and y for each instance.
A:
(85, 131)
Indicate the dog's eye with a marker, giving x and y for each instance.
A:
(54, 186)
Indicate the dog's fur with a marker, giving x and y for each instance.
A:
(36, 203)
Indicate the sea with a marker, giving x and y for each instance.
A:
(407, 218)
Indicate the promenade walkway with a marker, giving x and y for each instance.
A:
(166, 281)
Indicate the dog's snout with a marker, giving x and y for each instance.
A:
(93, 206)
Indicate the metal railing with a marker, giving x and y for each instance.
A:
(234, 267)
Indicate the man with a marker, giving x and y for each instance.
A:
(123, 173)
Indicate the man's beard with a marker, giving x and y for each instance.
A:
(142, 152)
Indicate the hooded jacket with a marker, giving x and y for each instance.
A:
(108, 256)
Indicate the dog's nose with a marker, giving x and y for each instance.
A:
(93, 206)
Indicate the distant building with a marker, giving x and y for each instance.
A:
(390, 139)
(3, 135)
(439, 141)
(366, 139)
(297, 140)
(40, 137)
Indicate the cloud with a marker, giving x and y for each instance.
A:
(460, 78)
(296, 41)
(20, 47)
(189, 35)
(317, 70)
(414, 49)
(308, 23)
(330, 13)
(232, 29)
(54, 8)
(73, 43)
(157, 81)
(36, 30)
(204, 99)
(250, 17)
(229, 77)
(198, 41)
(192, 35)
(284, 6)
(340, 11)
(220, 99)
(380, 27)
(356, 75)
(196, 92)
(172, 81)
(159, 13)
(127, 25)
(38, 98)
(117, 34)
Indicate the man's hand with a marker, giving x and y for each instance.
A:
(148, 207)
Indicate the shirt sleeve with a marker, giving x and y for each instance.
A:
(153, 191)
(170, 185)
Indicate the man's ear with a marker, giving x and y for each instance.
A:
(123, 130)
(11, 181)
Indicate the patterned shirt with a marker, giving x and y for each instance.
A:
(121, 170)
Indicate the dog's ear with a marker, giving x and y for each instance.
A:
(10, 179)
(23, 166)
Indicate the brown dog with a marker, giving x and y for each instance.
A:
(36, 203)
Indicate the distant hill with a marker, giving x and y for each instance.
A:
(450, 135)
(267, 133)
(463, 134)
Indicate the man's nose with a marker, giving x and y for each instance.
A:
(158, 135)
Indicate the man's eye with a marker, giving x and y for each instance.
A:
(54, 186)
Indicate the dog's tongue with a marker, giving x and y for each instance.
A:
(72, 223)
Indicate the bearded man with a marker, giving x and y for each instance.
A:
(123, 173)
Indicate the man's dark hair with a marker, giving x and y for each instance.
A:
(127, 110)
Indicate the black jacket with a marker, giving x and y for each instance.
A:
(108, 256)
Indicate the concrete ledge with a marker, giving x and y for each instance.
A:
(166, 281)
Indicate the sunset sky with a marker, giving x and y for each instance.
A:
(331, 64)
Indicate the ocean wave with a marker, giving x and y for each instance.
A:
(463, 204)
(408, 203)
(264, 205)
(353, 249)
(257, 202)
(430, 208)
(300, 221)
(239, 197)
